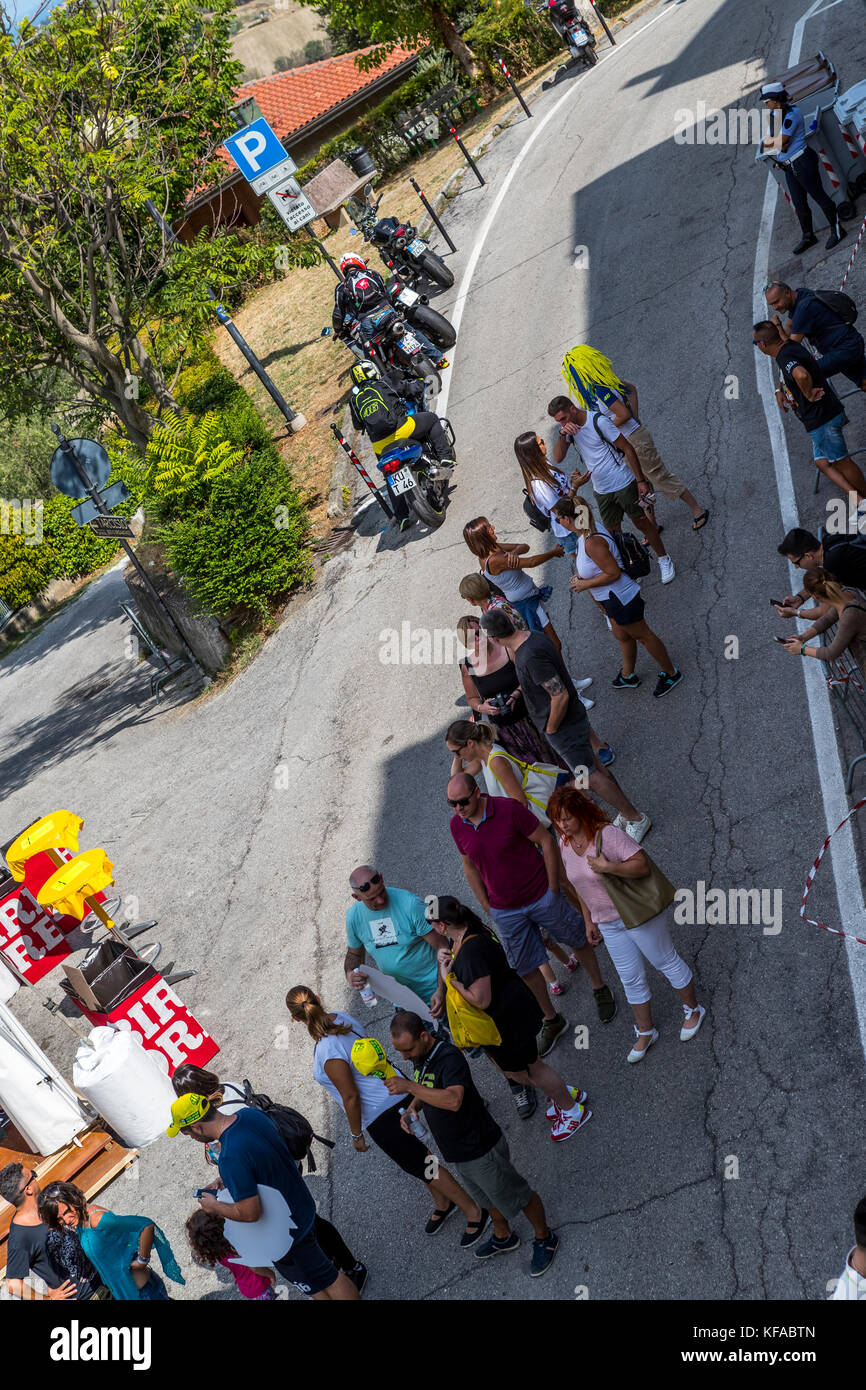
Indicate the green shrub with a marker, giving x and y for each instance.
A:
(185, 457)
(246, 548)
(523, 38)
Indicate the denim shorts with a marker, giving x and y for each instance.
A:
(828, 441)
(519, 930)
(569, 542)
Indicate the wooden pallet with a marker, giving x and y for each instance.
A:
(90, 1162)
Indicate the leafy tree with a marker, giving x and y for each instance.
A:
(315, 50)
(407, 22)
(186, 453)
(110, 103)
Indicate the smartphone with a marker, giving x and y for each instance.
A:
(783, 640)
(777, 603)
(200, 1191)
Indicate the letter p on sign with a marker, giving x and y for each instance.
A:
(250, 146)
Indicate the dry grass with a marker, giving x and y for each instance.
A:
(283, 322)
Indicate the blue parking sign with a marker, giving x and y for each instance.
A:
(255, 149)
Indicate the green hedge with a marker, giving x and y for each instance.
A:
(523, 38)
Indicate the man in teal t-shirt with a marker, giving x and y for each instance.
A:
(390, 925)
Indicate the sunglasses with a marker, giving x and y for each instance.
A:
(460, 802)
(362, 887)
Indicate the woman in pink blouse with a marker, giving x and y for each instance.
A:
(577, 820)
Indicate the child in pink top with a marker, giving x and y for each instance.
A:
(206, 1235)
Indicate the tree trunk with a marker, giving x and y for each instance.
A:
(453, 42)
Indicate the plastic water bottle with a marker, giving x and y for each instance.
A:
(417, 1126)
(368, 996)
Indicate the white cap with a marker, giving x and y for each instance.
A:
(773, 89)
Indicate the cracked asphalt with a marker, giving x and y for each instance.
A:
(727, 1169)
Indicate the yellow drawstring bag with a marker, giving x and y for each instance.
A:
(470, 1026)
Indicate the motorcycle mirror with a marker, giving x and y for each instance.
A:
(368, 191)
(326, 332)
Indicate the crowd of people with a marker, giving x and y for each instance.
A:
(550, 847)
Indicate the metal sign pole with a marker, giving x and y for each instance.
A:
(294, 417)
(331, 262)
(467, 156)
(100, 506)
(512, 84)
(432, 214)
(353, 459)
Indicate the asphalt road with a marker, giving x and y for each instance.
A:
(727, 1169)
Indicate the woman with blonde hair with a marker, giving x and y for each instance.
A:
(847, 607)
(478, 590)
(597, 569)
(505, 564)
(368, 1105)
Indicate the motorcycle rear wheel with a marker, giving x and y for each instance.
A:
(436, 270)
(434, 325)
(427, 500)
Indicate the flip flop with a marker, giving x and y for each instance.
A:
(438, 1219)
(701, 520)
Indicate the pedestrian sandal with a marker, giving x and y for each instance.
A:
(638, 1056)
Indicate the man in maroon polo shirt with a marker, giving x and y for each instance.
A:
(499, 842)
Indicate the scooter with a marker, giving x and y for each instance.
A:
(398, 243)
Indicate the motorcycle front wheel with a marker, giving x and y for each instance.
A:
(427, 500)
(434, 325)
(423, 367)
(436, 270)
(591, 57)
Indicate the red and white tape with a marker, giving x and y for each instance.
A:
(843, 680)
(811, 876)
(853, 254)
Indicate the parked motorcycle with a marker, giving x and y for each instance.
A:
(411, 469)
(416, 309)
(385, 338)
(398, 244)
(572, 29)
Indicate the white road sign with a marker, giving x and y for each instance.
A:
(273, 177)
(292, 204)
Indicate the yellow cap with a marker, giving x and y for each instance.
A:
(186, 1110)
(368, 1057)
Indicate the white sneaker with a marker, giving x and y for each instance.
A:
(636, 829)
(579, 1096)
(582, 685)
(586, 701)
(666, 568)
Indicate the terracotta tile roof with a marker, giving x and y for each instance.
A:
(291, 100)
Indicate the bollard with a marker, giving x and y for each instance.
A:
(467, 156)
(512, 84)
(384, 503)
(432, 214)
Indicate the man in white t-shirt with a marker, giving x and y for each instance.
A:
(851, 1285)
(618, 479)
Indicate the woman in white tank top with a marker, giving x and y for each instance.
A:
(597, 568)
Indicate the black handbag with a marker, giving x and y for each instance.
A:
(537, 517)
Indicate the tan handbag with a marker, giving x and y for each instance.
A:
(638, 900)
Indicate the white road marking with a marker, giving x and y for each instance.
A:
(843, 856)
(484, 231)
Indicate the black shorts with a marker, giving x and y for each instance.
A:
(623, 613)
(516, 1052)
(571, 742)
(404, 1149)
(307, 1266)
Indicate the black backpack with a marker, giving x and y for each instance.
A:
(842, 305)
(295, 1129)
(378, 408)
(365, 291)
(633, 558)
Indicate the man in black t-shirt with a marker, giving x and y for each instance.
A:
(557, 712)
(469, 1139)
(807, 390)
(26, 1251)
(844, 557)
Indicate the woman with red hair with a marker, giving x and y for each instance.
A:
(595, 852)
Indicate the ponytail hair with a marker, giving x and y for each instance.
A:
(452, 913)
(306, 1006)
(462, 730)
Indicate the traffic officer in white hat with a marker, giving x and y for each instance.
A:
(802, 171)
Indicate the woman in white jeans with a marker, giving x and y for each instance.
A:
(577, 820)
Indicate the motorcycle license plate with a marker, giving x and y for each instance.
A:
(410, 342)
(408, 297)
(402, 481)
(416, 247)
